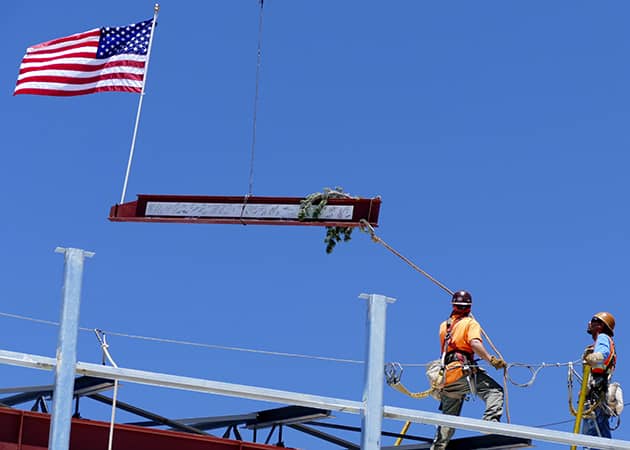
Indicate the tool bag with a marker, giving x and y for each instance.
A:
(435, 375)
(614, 398)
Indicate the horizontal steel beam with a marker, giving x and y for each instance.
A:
(336, 426)
(82, 386)
(147, 414)
(325, 436)
(287, 397)
(185, 383)
(251, 210)
(507, 429)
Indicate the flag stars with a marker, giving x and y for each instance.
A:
(124, 40)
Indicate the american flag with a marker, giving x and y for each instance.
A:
(99, 60)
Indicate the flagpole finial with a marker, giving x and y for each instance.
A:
(156, 7)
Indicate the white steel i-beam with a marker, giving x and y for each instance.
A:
(59, 435)
(372, 411)
(315, 401)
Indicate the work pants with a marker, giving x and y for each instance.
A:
(598, 425)
(453, 398)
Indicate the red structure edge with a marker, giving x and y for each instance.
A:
(26, 430)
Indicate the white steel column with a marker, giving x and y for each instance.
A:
(372, 411)
(59, 436)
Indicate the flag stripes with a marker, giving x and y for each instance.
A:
(72, 65)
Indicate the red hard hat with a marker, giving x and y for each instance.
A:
(462, 298)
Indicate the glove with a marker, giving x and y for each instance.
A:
(588, 350)
(497, 363)
(594, 358)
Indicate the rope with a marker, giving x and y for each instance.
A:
(418, 395)
(591, 408)
(194, 344)
(258, 59)
(366, 227)
(103, 341)
(239, 349)
(505, 375)
(393, 375)
(534, 369)
(30, 319)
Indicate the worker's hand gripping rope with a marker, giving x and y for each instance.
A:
(497, 363)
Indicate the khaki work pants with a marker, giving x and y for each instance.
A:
(453, 398)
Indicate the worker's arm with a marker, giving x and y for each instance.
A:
(599, 351)
(481, 351)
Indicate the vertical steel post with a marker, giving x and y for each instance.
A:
(372, 411)
(59, 436)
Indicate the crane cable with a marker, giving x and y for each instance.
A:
(367, 228)
(255, 114)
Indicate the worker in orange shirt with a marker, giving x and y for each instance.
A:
(460, 339)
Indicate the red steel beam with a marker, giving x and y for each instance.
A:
(344, 212)
(26, 430)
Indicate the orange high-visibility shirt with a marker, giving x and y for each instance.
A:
(465, 330)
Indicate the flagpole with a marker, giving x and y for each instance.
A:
(156, 8)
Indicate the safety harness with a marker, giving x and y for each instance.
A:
(452, 365)
(455, 362)
(598, 385)
(609, 363)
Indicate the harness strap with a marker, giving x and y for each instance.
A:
(450, 323)
(455, 353)
(609, 363)
(459, 355)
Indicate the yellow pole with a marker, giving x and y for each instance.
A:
(578, 417)
(403, 431)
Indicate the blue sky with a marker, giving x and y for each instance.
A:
(495, 133)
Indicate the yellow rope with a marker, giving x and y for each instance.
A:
(403, 390)
(419, 395)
